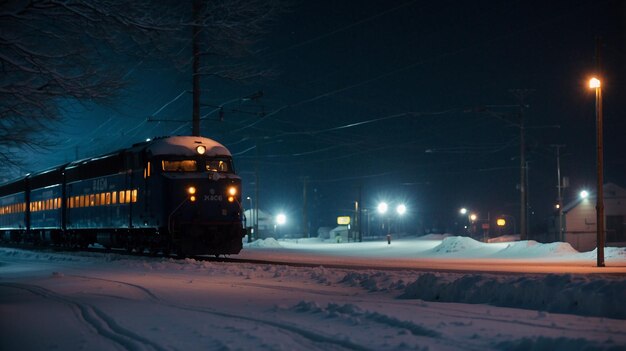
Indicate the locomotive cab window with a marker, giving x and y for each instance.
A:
(218, 165)
(180, 166)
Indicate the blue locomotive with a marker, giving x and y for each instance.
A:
(175, 194)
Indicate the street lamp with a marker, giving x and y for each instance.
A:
(401, 209)
(281, 219)
(594, 83)
(382, 208)
(463, 211)
(584, 194)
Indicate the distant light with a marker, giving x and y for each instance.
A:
(201, 149)
(557, 206)
(232, 191)
(343, 220)
(463, 211)
(501, 222)
(584, 194)
(281, 219)
(401, 209)
(382, 207)
(594, 83)
(473, 217)
(148, 139)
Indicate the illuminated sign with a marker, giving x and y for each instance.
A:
(343, 220)
(501, 222)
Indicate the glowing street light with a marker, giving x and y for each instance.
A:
(382, 208)
(463, 211)
(281, 219)
(584, 194)
(473, 217)
(401, 209)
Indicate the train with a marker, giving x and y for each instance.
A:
(172, 195)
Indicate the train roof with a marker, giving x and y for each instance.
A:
(185, 146)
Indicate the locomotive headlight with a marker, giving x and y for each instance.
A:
(232, 191)
(191, 190)
(201, 149)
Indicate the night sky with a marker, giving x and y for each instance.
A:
(406, 100)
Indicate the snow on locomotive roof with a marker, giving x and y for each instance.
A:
(186, 146)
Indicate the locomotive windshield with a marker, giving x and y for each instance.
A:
(218, 165)
(180, 166)
(212, 164)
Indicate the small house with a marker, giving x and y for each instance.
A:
(580, 219)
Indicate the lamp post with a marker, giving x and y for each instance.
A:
(281, 219)
(594, 83)
(250, 222)
(382, 210)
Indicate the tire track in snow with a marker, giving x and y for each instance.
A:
(307, 334)
(95, 318)
(139, 287)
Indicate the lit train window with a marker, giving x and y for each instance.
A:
(216, 165)
(179, 166)
(122, 197)
(134, 195)
(114, 197)
(108, 198)
(127, 196)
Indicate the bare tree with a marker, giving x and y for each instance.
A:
(54, 53)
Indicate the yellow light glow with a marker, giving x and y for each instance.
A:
(201, 149)
(500, 222)
(473, 217)
(343, 220)
(231, 199)
(192, 198)
(191, 190)
(232, 191)
(594, 83)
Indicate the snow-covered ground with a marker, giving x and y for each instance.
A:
(437, 293)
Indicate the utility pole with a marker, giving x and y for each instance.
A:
(305, 226)
(521, 94)
(559, 188)
(359, 216)
(256, 190)
(196, 7)
(600, 160)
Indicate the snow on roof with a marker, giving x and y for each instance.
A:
(186, 146)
